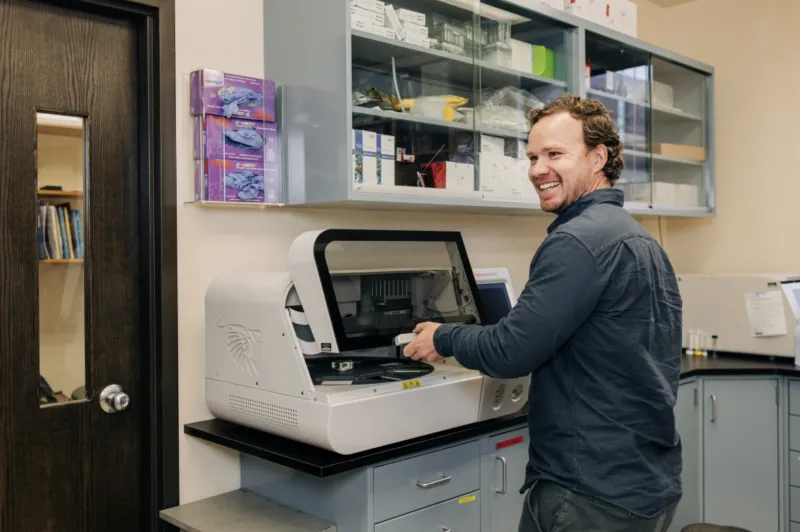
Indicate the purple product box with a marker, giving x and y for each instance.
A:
(217, 93)
(237, 139)
(237, 181)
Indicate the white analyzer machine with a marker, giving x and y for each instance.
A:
(314, 353)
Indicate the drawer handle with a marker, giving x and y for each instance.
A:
(505, 474)
(446, 529)
(713, 408)
(434, 482)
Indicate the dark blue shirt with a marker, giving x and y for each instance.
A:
(598, 327)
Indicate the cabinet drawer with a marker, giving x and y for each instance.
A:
(794, 504)
(794, 468)
(462, 514)
(411, 484)
(794, 527)
(794, 433)
(794, 397)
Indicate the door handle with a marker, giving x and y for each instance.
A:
(113, 399)
(713, 408)
(505, 474)
(434, 482)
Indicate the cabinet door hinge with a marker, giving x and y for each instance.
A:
(777, 394)
(695, 396)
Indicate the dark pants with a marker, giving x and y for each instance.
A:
(550, 508)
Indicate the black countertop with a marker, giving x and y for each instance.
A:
(728, 364)
(323, 463)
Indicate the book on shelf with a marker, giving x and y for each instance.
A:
(60, 231)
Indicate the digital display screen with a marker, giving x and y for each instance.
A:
(496, 304)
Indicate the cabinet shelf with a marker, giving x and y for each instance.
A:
(407, 117)
(61, 261)
(59, 194)
(659, 111)
(666, 159)
(55, 124)
(459, 69)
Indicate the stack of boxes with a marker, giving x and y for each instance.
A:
(373, 158)
(235, 138)
(379, 18)
(532, 59)
(503, 168)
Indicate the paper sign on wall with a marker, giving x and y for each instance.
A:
(792, 291)
(765, 314)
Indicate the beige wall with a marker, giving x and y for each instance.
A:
(753, 47)
(212, 241)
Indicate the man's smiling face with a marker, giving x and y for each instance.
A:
(563, 169)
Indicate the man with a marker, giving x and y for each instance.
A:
(598, 327)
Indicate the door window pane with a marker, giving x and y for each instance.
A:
(61, 170)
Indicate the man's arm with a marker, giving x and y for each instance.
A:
(563, 289)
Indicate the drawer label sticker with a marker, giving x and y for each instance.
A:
(412, 383)
(469, 498)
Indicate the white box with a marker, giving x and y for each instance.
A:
(520, 187)
(415, 17)
(419, 41)
(493, 171)
(464, 174)
(521, 56)
(420, 32)
(491, 144)
(376, 19)
(391, 20)
(360, 22)
(459, 177)
(386, 149)
(376, 6)
(387, 33)
(365, 151)
(370, 153)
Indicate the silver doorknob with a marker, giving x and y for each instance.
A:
(113, 399)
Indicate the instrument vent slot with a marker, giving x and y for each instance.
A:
(253, 410)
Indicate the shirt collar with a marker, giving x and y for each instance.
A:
(605, 195)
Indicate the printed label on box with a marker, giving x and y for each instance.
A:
(217, 137)
(239, 181)
(230, 95)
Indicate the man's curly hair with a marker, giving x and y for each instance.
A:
(598, 128)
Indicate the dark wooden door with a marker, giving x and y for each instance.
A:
(71, 287)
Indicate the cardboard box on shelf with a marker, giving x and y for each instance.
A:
(680, 151)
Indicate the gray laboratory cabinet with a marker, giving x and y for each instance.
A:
(469, 486)
(731, 452)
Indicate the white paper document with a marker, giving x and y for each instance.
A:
(792, 291)
(765, 313)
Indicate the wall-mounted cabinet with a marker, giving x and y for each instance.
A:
(422, 103)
